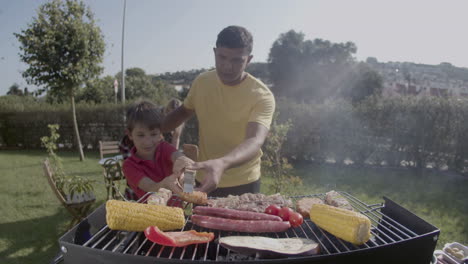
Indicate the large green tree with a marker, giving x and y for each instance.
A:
(138, 84)
(63, 48)
(99, 90)
(309, 70)
(363, 82)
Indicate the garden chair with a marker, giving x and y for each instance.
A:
(191, 151)
(112, 170)
(78, 210)
(108, 147)
(113, 175)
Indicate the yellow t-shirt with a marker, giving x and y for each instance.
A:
(223, 113)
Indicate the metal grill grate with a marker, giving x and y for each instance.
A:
(385, 231)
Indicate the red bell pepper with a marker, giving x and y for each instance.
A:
(177, 239)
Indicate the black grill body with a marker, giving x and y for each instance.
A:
(399, 236)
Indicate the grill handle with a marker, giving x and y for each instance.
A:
(57, 259)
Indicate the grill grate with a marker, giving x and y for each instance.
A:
(384, 231)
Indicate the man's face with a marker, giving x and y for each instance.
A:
(231, 63)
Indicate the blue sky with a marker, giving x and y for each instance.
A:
(171, 35)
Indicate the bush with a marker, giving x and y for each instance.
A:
(23, 123)
(419, 131)
(68, 186)
(273, 162)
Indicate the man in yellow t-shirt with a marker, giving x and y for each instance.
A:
(234, 111)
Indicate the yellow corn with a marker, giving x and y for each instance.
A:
(130, 216)
(347, 225)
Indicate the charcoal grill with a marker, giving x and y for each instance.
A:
(398, 236)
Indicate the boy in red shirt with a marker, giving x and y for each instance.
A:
(153, 162)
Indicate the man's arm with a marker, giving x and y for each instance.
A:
(254, 137)
(245, 151)
(176, 118)
(176, 136)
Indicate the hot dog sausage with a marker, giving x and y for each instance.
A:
(250, 226)
(234, 214)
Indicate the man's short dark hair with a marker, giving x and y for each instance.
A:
(235, 37)
(145, 113)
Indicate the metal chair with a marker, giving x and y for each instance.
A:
(112, 171)
(113, 175)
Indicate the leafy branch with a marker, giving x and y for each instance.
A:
(72, 184)
(273, 162)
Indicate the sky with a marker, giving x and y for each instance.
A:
(174, 35)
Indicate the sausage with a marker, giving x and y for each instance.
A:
(250, 226)
(234, 214)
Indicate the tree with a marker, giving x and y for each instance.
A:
(284, 62)
(185, 77)
(100, 90)
(140, 85)
(15, 90)
(365, 82)
(163, 91)
(137, 84)
(259, 70)
(63, 48)
(309, 70)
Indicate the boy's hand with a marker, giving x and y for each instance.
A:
(180, 164)
(172, 183)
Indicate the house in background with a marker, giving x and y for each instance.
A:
(443, 80)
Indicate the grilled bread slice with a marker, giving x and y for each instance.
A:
(333, 198)
(304, 205)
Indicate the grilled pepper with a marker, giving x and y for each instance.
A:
(177, 239)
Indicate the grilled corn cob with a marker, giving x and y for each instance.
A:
(129, 216)
(195, 197)
(347, 225)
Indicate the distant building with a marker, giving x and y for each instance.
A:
(422, 80)
(179, 85)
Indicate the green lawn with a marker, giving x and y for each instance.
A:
(32, 219)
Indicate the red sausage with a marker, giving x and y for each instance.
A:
(234, 214)
(250, 226)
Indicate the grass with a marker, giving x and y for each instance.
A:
(32, 219)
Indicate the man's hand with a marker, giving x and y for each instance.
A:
(178, 131)
(214, 169)
(180, 164)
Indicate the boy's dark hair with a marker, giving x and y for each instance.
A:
(235, 37)
(145, 113)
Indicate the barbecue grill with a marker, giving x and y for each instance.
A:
(398, 236)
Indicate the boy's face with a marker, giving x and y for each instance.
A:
(145, 140)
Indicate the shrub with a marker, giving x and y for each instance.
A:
(273, 162)
(68, 186)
